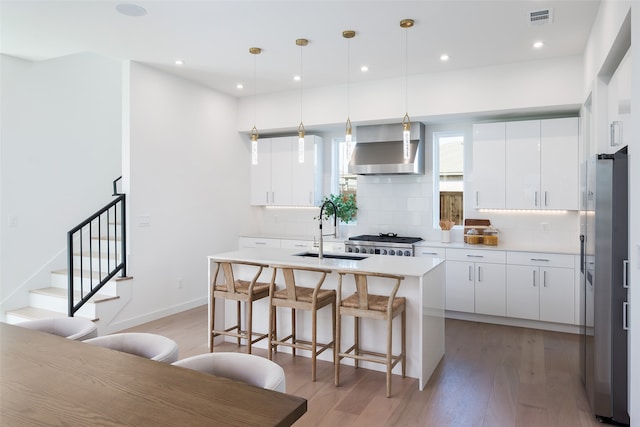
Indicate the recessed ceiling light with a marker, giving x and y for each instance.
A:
(296, 78)
(239, 86)
(364, 68)
(131, 9)
(538, 45)
(179, 62)
(444, 57)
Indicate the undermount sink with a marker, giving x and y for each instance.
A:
(333, 256)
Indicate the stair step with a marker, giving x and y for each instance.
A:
(62, 293)
(29, 313)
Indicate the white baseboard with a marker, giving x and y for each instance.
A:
(149, 317)
(510, 321)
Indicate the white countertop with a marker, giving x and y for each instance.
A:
(520, 247)
(407, 266)
(500, 247)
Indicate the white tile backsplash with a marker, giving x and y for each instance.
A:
(403, 205)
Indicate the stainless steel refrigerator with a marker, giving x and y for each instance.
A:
(604, 267)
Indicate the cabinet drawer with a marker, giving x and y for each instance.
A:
(476, 255)
(428, 251)
(540, 259)
(253, 242)
(296, 244)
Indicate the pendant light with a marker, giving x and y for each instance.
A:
(406, 122)
(255, 51)
(348, 34)
(302, 43)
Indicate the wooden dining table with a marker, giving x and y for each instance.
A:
(46, 380)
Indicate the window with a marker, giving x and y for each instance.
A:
(448, 176)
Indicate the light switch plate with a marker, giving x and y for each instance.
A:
(144, 221)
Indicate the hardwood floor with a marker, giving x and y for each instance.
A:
(491, 375)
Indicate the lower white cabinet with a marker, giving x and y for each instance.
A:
(541, 286)
(258, 242)
(476, 281)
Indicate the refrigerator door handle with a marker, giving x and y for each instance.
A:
(625, 272)
(625, 323)
(582, 257)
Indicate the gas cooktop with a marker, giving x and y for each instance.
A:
(386, 238)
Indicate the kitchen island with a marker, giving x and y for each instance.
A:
(423, 287)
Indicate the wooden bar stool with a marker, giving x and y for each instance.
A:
(362, 304)
(300, 298)
(240, 291)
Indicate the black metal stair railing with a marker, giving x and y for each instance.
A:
(104, 263)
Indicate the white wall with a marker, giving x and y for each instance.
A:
(634, 217)
(601, 47)
(540, 84)
(186, 174)
(61, 150)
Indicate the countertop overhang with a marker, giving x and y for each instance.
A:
(407, 266)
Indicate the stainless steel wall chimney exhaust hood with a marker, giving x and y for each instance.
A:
(379, 151)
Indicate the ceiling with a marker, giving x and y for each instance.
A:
(213, 37)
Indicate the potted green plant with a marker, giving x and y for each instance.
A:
(345, 204)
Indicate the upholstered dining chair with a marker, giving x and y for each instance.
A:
(73, 328)
(248, 368)
(152, 346)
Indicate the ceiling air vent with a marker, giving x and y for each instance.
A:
(540, 17)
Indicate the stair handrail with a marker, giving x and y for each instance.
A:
(86, 229)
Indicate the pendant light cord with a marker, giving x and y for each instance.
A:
(254, 89)
(301, 84)
(348, 78)
(406, 70)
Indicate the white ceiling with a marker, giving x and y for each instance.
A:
(213, 37)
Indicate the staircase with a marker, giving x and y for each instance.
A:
(96, 272)
(52, 301)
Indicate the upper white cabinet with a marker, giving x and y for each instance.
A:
(489, 165)
(522, 178)
(559, 164)
(285, 178)
(538, 165)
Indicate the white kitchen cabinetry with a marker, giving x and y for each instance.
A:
(541, 286)
(258, 242)
(261, 174)
(542, 164)
(428, 251)
(522, 177)
(279, 178)
(296, 244)
(559, 164)
(488, 165)
(476, 281)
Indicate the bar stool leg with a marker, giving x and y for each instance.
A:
(314, 320)
(249, 326)
(293, 329)
(333, 329)
(212, 323)
(336, 348)
(356, 348)
(238, 320)
(404, 343)
(272, 330)
(389, 349)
